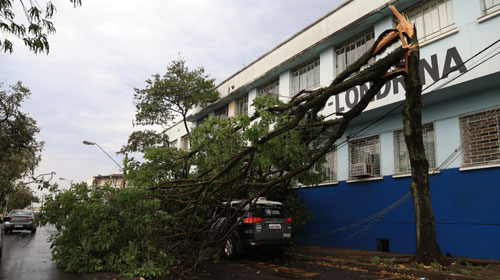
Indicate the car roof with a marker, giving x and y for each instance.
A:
(27, 211)
(260, 201)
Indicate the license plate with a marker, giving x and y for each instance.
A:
(274, 226)
(18, 225)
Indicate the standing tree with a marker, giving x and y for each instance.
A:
(21, 197)
(166, 98)
(36, 28)
(19, 149)
(426, 245)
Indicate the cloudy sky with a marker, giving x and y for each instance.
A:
(82, 90)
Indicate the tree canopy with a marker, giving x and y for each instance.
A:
(19, 148)
(33, 29)
(167, 97)
(21, 197)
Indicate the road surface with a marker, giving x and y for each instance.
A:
(27, 256)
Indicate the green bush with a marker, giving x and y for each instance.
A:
(106, 229)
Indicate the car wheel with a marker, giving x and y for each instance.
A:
(230, 248)
(33, 230)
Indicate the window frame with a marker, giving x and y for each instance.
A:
(397, 155)
(354, 43)
(422, 8)
(241, 105)
(331, 161)
(310, 68)
(493, 114)
(265, 90)
(222, 113)
(485, 10)
(375, 163)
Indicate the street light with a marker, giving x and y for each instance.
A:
(90, 143)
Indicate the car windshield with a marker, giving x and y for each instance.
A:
(21, 213)
(270, 210)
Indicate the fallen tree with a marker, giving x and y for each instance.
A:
(251, 156)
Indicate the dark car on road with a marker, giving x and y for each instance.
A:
(261, 224)
(19, 219)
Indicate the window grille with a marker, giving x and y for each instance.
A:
(185, 143)
(221, 113)
(489, 6)
(352, 50)
(402, 157)
(481, 138)
(331, 167)
(364, 157)
(242, 106)
(432, 18)
(305, 77)
(270, 89)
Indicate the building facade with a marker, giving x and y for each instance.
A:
(365, 203)
(114, 180)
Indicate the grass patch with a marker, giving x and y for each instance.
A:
(389, 261)
(375, 260)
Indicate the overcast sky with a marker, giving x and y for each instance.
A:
(83, 89)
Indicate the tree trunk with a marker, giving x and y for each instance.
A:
(426, 246)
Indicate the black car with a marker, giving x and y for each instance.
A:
(261, 224)
(19, 219)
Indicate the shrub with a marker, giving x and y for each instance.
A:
(106, 229)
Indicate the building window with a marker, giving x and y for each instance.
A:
(432, 18)
(402, 157)
(242, 105)
(352, 50)
(481, 138)
(270, 89)
(364, 157)
(331, 167)
(305, 77)
(489, 6)
(221, 113)
(185, 142)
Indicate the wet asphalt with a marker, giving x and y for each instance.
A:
(26, 256)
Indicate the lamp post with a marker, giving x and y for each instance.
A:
(90, 143)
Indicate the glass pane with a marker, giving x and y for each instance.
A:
(340, 63)
(310, 79)
(419, 24)
(295, 84)
(427, 23)
(443, 16)
(435, 19)
(316, 76)
(303, 82)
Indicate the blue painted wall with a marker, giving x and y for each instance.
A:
(466, 206)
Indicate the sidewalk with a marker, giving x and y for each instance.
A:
(397, 264)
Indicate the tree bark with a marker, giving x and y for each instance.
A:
(426, 245)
